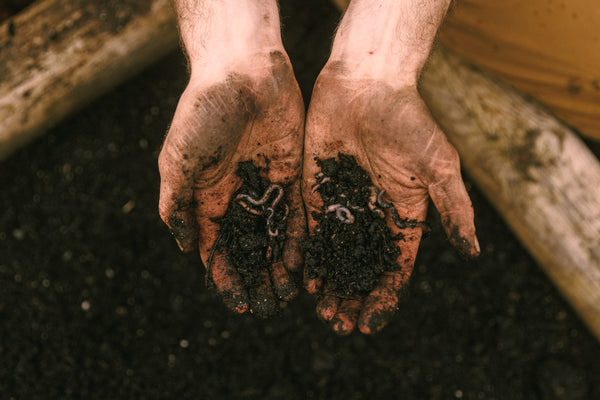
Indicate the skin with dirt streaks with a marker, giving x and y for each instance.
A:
(366, 104)
(242, 103)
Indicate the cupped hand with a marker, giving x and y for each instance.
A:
(390, 132)
(252, 111)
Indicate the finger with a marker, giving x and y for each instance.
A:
(345, 319)
(327, 307)
(452, 201)
(228, 283)
(283, 285)
(312, 285)
(407, 229)
(381, 304)
(313, 204)
(176, 205)
(312, 198)
(295, 233)
(263, 303)
(227, 280)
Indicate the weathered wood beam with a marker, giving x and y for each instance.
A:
(538, 174)
(58, 55)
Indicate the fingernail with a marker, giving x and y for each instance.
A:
(476, 245)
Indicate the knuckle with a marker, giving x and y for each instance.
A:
(164, 213)
(162, 162)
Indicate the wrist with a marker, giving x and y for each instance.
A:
(387, 40)
(226, 32)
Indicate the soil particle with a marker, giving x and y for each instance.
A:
(252, 231)
(350, 249)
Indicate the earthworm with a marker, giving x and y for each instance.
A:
(376, 210)
(286, 212)
(399, 222)
(348, 218)
(279, 196)
(382, 203)
(332, 208)
(317, 185)
(269, 219)
(249, 209)
(265, 196)
(341, 212)
(357, 208)
(371, 204)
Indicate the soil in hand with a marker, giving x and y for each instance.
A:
(252, 231)
(351, 245)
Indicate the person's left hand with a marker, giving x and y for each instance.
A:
(250, 111)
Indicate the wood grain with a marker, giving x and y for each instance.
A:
(58, 55)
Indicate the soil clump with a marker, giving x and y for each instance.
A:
(252, 231)
(351, 245)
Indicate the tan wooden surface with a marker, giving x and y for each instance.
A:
(58, 55)
(538, 174)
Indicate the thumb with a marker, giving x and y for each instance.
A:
(450, 197)
(176, 204)
(454, 205)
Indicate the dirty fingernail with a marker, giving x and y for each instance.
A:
(236, 302)
(327, 308)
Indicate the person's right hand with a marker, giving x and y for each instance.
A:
(391, 134)
(366, 104)
(241, 104)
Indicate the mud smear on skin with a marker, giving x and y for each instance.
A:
(349, 256)
(253, 235)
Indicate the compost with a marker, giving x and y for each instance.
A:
(351, 245)
(252, 231)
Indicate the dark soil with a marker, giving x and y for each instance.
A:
(97, 302)
(252, 237)
(348, 255)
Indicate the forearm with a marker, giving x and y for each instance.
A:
(222, 31)
(388, 38)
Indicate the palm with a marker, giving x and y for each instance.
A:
(258, 118)
(392, 136)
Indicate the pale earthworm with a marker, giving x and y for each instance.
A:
(341, 212)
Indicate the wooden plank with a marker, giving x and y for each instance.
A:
(538, 174)
(58, 55)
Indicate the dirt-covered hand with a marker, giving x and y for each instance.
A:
(391, 134)
(254, 113)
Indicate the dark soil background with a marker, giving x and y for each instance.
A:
(11, 7)
(96, 301)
